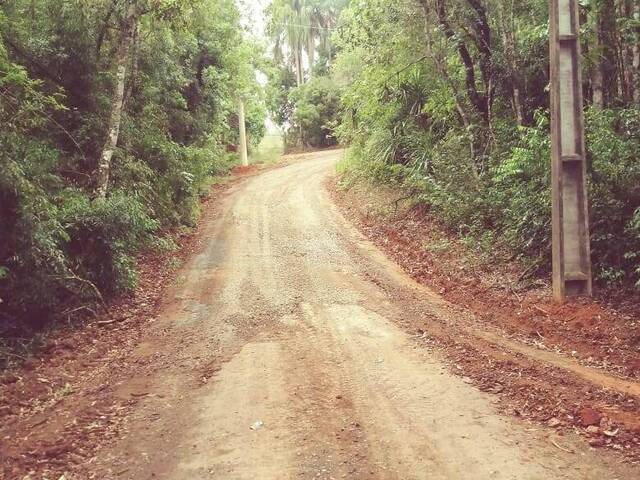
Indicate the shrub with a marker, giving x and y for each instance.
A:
(613, 142)
(102, 236)
(316, 112)
(508, 197)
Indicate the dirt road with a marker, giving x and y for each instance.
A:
(280, 354)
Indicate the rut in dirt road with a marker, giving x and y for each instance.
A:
(283, 359)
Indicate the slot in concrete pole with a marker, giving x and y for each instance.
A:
(244, 157)
(571, 248)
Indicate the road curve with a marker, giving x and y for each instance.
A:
(279, 355)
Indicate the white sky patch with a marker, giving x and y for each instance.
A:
(253, 16)
(253, 19)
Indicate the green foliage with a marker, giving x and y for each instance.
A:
(520, 189)
(302, 97)
(309, 113)
(316, 112)
(31, 233)
(281, 81)
(269, 151)
(188, 65)
(411, 122)
(102, 236)
(613, 138)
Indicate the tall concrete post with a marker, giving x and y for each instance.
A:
(243, 134)
(571, 248)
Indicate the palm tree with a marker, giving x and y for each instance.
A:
(286, 30)
(302, 25)
(320, 16)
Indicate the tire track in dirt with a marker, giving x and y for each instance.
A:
(539, 384)
(286, 358)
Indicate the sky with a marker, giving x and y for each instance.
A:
(253, 18)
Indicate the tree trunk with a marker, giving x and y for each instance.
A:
(297, 58)
(311, 53)
(135, 66)
(508, 38)
(299, 75)
(636, 54)
(441, 66)
(596, 68)
(482, 39)
(609, 55)
(625, 10)
(243, 134)
(478, 100)
(117, 102)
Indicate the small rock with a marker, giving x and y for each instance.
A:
(57, 450)
(593, 430)
(8, 378)
(29, 364)
(553, 422)
(257, 425)
(66, 344)
(597, 442)
(7, 410)
(588, 416)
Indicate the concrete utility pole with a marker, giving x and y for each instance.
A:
(243, 134)
(571, 248)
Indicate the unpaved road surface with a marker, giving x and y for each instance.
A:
(280, 354)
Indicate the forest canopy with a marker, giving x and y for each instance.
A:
(449, 100)
(115, 115)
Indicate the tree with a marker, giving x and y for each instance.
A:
(297, 27)
(129, 101)
(448, 99)
(287, 30)
(301, 26)
(316, 112)
(128, 29)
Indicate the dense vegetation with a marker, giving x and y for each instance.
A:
(305, 102)
(115, 115)
(448, 99)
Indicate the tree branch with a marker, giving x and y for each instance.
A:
(42, 69)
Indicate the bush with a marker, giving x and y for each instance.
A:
(55, 252)
(102, 236)
(508, 197)
(613, 142)
(167, 177)
(59, 246)
(316, 112)
(521, 187)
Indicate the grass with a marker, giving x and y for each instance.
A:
(269, 151)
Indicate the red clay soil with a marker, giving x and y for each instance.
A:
(59, 405)
(64, 402)
(242, 170)
(604, 332)
(571, 367)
